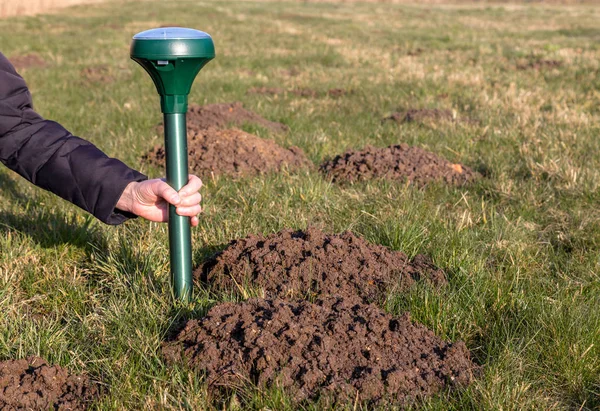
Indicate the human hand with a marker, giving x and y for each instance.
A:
(150, 199)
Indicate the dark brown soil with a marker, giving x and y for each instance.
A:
(420, 115)
(540, 64)
(338, 92)
(27, 60)
(224, 115)
(415, 52)
(397, 162)
(32, 384)
(304, 92)
(233, 152)
(311, 263)
(336, 348)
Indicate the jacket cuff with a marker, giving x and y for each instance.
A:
(116, 216)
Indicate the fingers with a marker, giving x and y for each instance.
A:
(190, 197)
(193, 186)
(191, 200)
(163, 190)
(187, 201)
(189, 211)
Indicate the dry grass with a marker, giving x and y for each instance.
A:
(30, 7)
(481, 3)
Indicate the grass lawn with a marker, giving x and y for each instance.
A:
(521, 246)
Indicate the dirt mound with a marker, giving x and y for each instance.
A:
(301, 92)
(338, 92)
(224, 115)
(273, 91)
(311, 263)
(233, 152)
(540, 64)
(32, 384)
(269, 91)
(335, 348)
(415, 52)
(420, 115)
(397, 162)
(290, 72)
(27, 60)
(98, 74)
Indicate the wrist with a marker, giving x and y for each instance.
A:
(125, 202)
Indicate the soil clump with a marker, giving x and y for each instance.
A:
(290, 72)
(338, 92)
(268, 91)
(32, 384)
(232, 152)
(336, 349)
(304, 92)
(98, 74)
(420, 115)
(415, 52)
(540, 64)
(223, 115)
(310, 263)
(398, 162)
(25, 61)
(300, 92)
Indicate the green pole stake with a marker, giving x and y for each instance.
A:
(173, 56)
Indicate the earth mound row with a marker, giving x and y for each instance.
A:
(420, 115)
(336, 348)
(311, 263)
(300, 92)
(540, 64)
(223, 115)
(233, 152)
(25, 61)
(397, 162)
(32, 384)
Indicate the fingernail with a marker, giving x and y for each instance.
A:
(175, 198)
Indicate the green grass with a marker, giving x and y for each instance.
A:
(520, 247)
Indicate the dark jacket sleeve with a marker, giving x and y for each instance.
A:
(50, 157)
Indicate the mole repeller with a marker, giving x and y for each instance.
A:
(173, 56)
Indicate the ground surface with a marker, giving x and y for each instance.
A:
(227, 114)
(335, 348)
(233, 152)
(33, 384)
(214, 148)
(516, 89)
(399, 162)
(311, 263)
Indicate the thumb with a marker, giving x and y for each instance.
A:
(163, 190)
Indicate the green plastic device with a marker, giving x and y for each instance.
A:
(173, 56)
